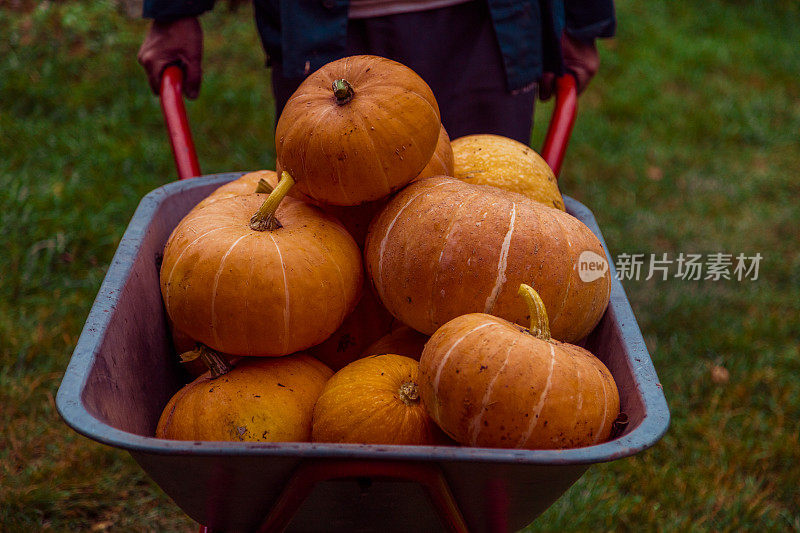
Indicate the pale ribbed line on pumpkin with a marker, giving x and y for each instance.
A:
(389, 230)
(540, 403)
(432, 306)
(557, 313)
(195, 219)
(180, 256)
(365, 127)
(439, 160)
(446, 356)
(433, 109)
(246, 304)
(309, 139)
(605, 406)
(438, 119)
(390, 93)
(501, 263)
(333, 166)
(216, 284)
(475, 425)
(286, 310)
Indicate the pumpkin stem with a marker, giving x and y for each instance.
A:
(191, 355)
(343, 91)
(264, 219)
(409, 393)
(263, 186)
(540, 324)
(215, 363)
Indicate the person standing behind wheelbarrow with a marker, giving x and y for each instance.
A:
(483, 59)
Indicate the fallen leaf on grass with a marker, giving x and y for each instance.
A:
(654, 173)
(720, 375)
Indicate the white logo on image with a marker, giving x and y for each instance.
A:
(591, 266)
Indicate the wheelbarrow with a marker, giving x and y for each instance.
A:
(123, 371)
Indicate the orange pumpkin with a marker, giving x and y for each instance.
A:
(356, 218)
(441, 163)
(261, 181)
(259, 400)
(374, 400)
(368, 321)
(490, 383)
(267, 284)
(357, 129)
(181, 342)
(402, 341)
(443, 248)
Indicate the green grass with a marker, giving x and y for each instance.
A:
(686, 142)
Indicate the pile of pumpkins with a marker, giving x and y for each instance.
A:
(438, 280)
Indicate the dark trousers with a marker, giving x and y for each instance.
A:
(454, 49)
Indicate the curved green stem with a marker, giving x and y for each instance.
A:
(540, 324)
(343, 91)
(264, 219)
(214, 361)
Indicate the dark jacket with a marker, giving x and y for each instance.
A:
(303, 35)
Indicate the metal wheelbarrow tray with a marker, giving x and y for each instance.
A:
(123, 372)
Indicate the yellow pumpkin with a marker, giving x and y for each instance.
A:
(443, 248)
(268, 284)
(490, 383)
(245, 184)
(357, 129)
(498, 161)
(374, 400)
(268, 400)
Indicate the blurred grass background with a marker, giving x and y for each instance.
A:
(687, 141)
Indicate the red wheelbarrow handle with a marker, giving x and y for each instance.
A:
(180, 135)
(561, 122)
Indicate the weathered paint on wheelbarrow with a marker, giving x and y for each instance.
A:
(123, 372)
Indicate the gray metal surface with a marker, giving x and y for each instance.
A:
(122, 373)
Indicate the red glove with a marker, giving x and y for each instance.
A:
(179, 42)
(580, 59)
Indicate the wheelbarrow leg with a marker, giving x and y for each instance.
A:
(307, 475)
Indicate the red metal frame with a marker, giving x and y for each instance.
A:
(309, 474)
